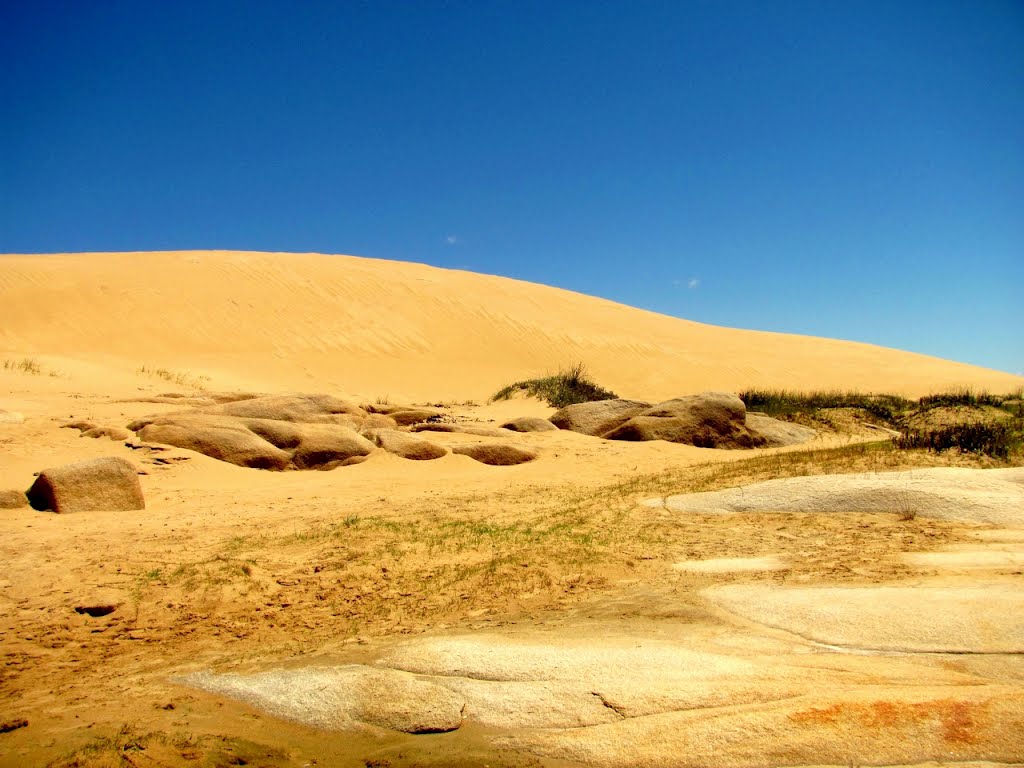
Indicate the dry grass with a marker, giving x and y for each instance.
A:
(382, 572)
(29, 366)
(181, 378)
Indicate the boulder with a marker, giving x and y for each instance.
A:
(301, 409)
(220, 438)
(496, 454)
(113, 433)
(81, 425)
(405, 445)
(259, 443)
(463, 429)
(378, 421)
(529, 424)
(13, 499)
(413, 416)
(325, 444)
(707, 420)
(778, 433)
(598, 417)
(109, 483)
(385, 409)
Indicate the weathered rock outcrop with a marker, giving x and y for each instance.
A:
(707, 420)
(259, 443)
(94, 430)
(109, 483)
(405, 445)
(778, 433)
(13, 499)
(496, 454)
(460, 428)
(598, 417)
(301, 409)
(332, 698)
(220, 438)
(529, 424)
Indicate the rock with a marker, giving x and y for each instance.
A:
(301, 409)
(13, 500)
(778, 433)
(975, 618)
(413, 416)
(11, 417)
(114, 433)
(92, 429)
(337, 698)
(463, 429)
(259, 443)
(496, 454)
(385, 409)
(80, 424)
(529, 424)
(707, 420)
(598, 417)
(109, 483)
(402, 702)
(378, 421)
(950, 493)
(322, 444)
(405, 445)
(221, 438)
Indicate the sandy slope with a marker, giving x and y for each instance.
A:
(370, 327)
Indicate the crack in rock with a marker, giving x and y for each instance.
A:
(617, 709)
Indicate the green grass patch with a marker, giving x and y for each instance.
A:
(780, 403)
(568, 386)
(961, 397)
(998, 440)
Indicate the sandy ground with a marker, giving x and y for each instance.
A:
(438, 568)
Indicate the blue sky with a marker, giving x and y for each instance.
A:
(852, 170)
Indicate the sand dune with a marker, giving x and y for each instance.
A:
(539, 609)
(371, 327)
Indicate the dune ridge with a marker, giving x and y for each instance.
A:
(368, 326)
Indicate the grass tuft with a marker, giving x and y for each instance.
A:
(998, 440)
(175, 377)
(25, 365)
(568, 386)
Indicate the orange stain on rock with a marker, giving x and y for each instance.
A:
(958, 720)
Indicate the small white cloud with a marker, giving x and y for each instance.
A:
(692, 283)
(453, 240)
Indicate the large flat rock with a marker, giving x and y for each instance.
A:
(976, 495)
(975, 618)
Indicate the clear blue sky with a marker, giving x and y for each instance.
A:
(853, 169)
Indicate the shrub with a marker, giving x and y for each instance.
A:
(990, 439)
(568, 386)
(956, 397)
(778, 402)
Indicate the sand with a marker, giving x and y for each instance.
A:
(300, 618)
(311, 322)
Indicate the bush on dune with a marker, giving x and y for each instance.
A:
(568, 386)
